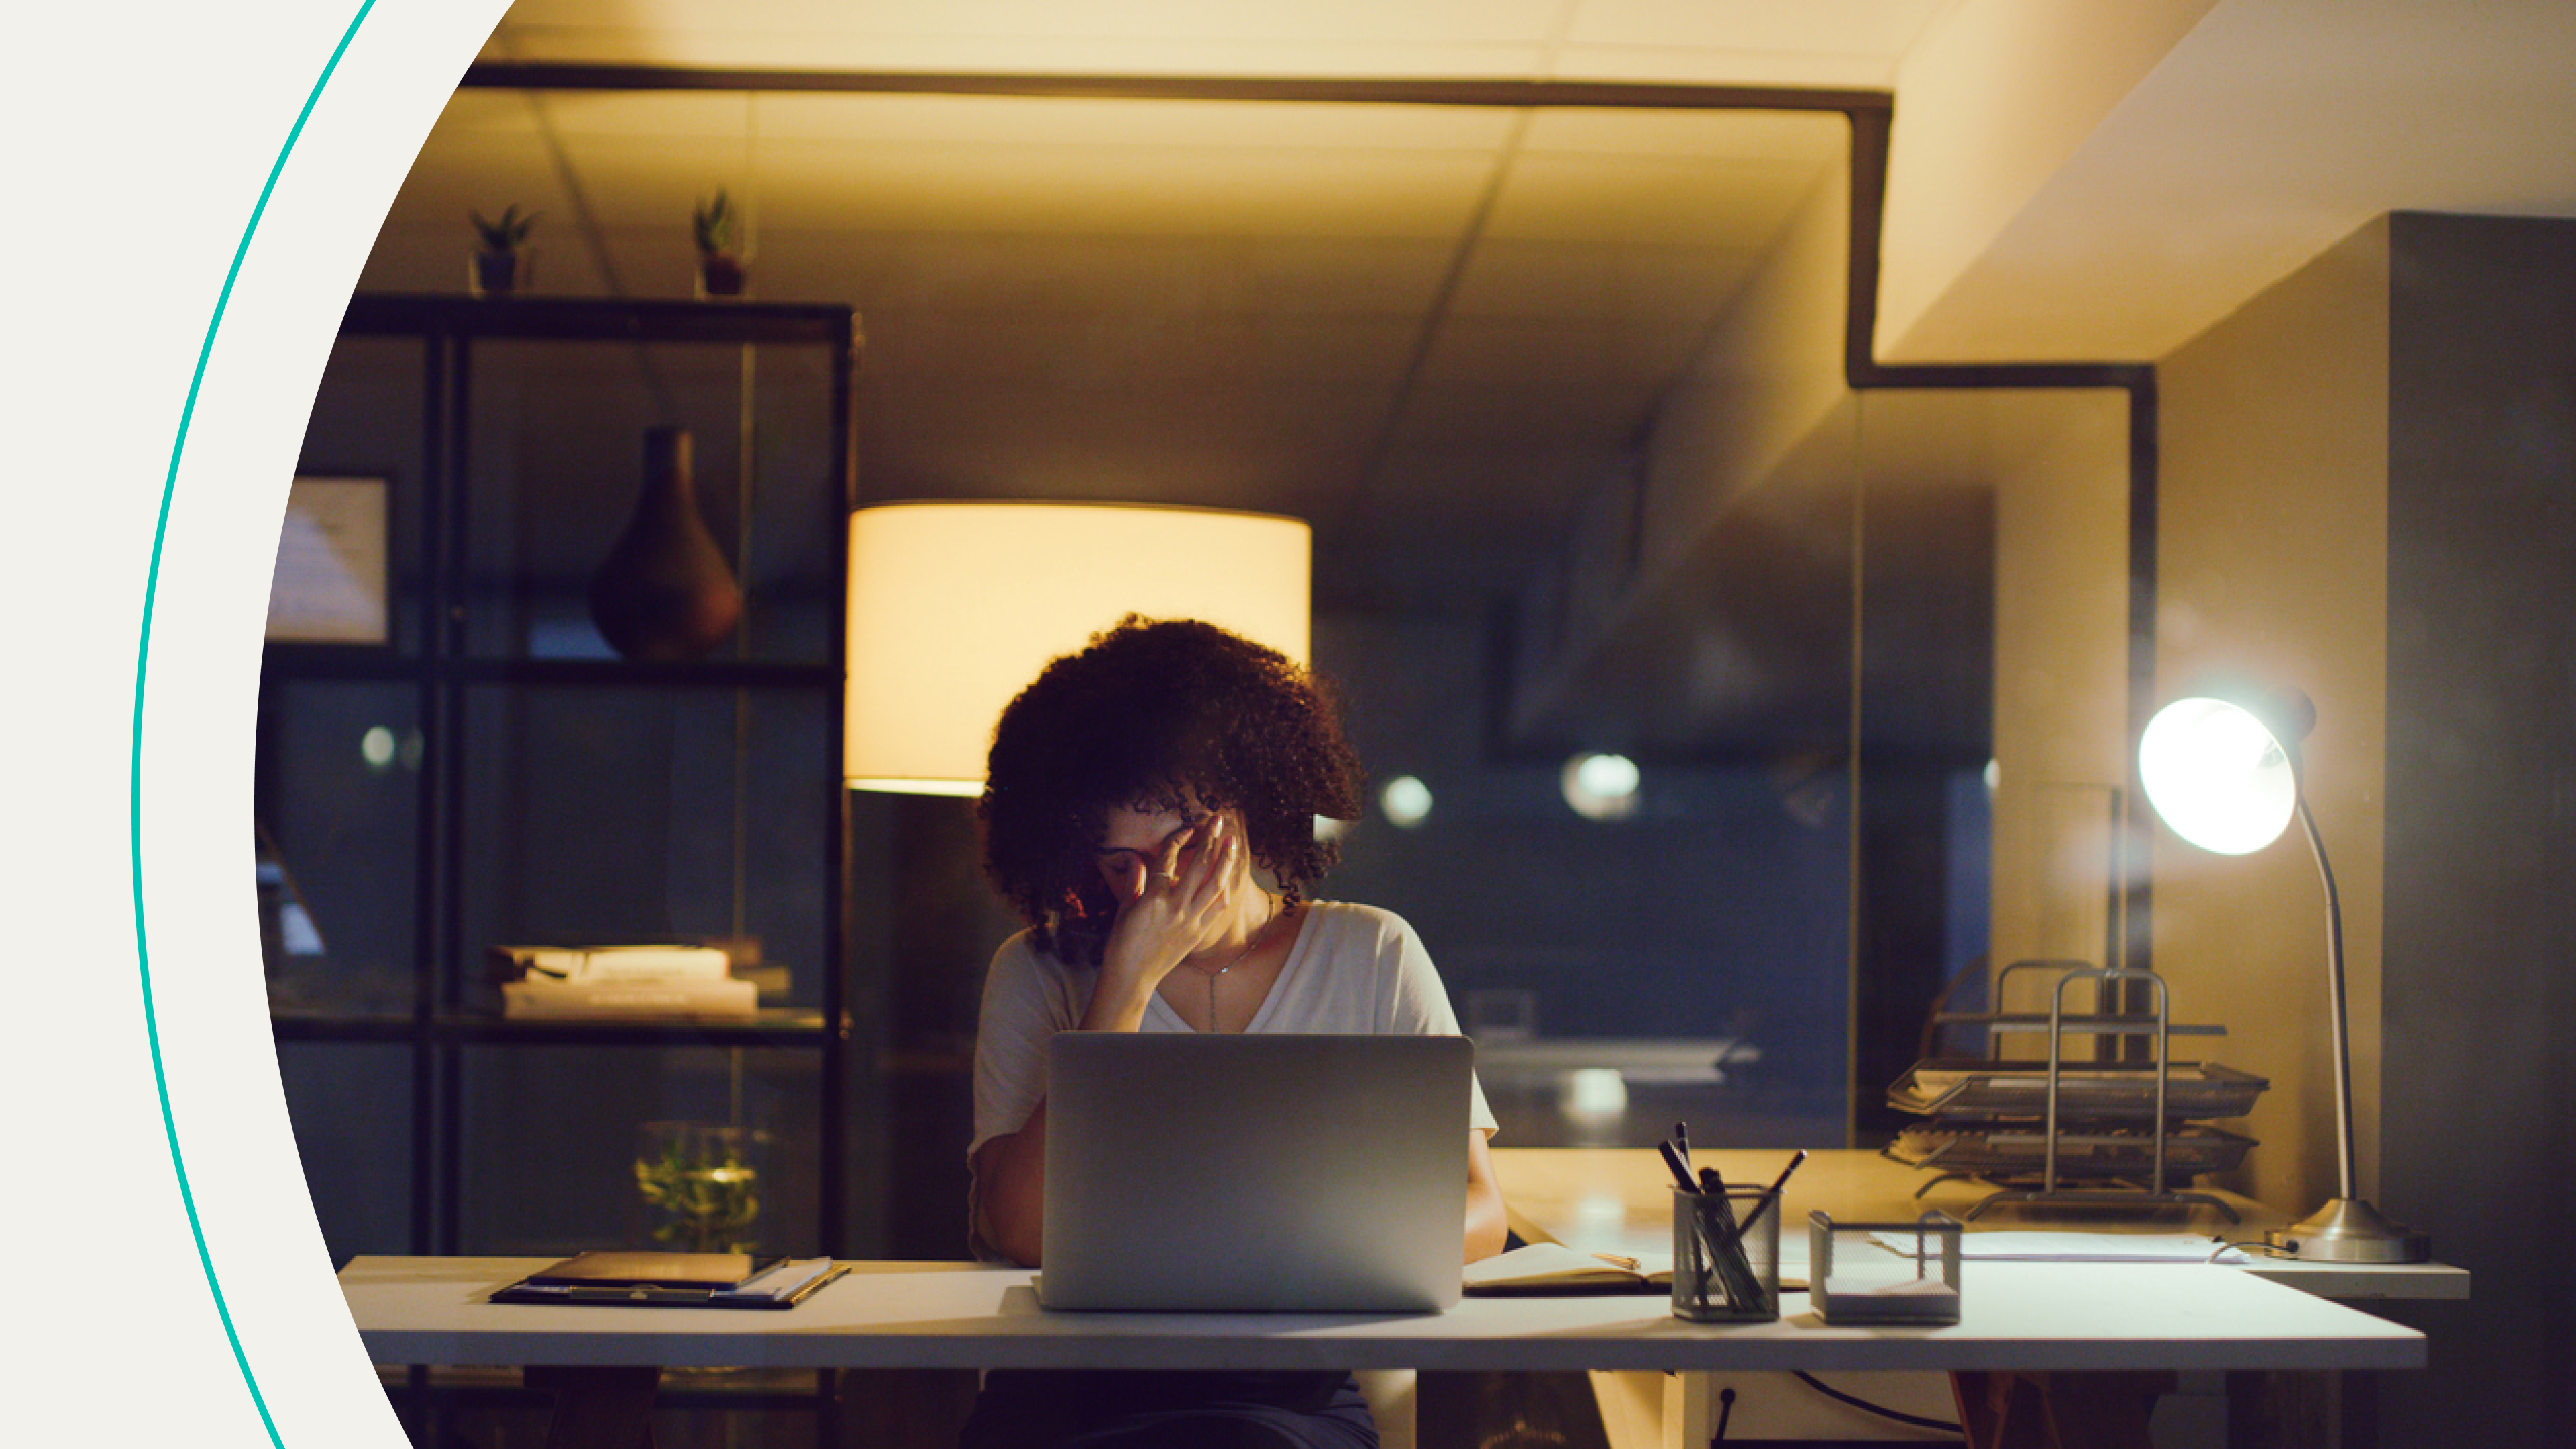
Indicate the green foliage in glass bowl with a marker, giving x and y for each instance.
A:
(706, 1203)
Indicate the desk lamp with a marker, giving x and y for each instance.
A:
(2224, 774)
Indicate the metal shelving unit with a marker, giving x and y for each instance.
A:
(436, 660)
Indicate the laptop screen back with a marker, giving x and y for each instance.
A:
(1255, 1173)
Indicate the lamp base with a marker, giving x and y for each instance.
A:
(2348, 1230)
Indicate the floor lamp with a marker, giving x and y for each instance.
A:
(954, 606)
(2223, 773)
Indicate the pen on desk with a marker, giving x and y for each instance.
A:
(1681, 1143)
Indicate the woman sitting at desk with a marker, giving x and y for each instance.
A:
(1131, 791)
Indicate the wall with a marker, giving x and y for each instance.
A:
(2365, 491)
(2272, 547)
(2061, 676)
(2478, 1111)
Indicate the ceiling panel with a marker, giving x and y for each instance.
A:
(1797, 138)
(1117, 191)
(1191, 125)
(1629, 359)
(1034, 275)
(1352, 21)
(1884, 29)
(1657, 200)
(1137, 348)
(1614, 281)
(1535, 409)
(1351, 313)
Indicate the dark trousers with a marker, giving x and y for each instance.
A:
(1081, 1409)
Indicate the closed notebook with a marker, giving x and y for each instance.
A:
(654, 1270)
(1542, 1268)
(674, 1280)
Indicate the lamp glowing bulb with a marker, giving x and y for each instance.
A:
(2218, 775)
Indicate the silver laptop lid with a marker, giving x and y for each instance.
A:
(1255, 1173)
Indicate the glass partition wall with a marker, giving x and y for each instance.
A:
(1718, 715)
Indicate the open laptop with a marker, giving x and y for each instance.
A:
(1255, 1173)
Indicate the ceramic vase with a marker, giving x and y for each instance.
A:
(664, 592)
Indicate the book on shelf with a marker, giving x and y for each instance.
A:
(611, 1000)
(644, 962)
(1555, 1268)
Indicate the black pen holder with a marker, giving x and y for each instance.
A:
(1726, 1256)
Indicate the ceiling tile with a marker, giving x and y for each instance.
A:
(1658, 200)
(1211, 125)
(1115, 349)
(1630, 361)
(1536, 411)
(1813, 138)
(1118, 191)
(1079, 275)
(1881, 28)
(1599, 279)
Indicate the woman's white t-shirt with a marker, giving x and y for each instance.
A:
(1353, 970)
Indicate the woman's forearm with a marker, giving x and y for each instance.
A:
(1010, 1190)
(1488, 1221)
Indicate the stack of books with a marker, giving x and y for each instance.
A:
(623, 983)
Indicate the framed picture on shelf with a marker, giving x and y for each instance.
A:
(330, 585)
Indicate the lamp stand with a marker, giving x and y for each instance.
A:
(2347, 1229)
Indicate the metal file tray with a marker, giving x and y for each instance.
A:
(1970, 1088)
(2002, 1151)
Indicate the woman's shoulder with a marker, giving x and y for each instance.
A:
(1350, 920)
(1022, 956)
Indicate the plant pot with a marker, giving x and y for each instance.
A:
(498, 274)
(721, 274)
(664, 592)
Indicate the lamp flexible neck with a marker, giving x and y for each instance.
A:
(2346, 1186)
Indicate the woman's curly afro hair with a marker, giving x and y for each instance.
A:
(1147, 710)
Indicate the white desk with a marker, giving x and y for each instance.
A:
(2017, 1316)
(2098, 1320)
(1618, 1199)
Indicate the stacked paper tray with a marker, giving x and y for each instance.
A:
(2022, 1150)
(1977, 1089)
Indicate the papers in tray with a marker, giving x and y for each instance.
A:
(2077, 1247)
(674, 1280)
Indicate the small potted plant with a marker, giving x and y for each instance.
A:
(720, 268)
(501, 265)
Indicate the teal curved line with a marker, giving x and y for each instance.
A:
(142, 661)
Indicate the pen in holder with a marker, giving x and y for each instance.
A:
(1726, 1255)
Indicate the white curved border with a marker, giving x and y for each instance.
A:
(148, 133)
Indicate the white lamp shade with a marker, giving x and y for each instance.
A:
(2218, 775)
(955, 607)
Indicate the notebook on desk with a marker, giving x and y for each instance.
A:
(1255, 1173)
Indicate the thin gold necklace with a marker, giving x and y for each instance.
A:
(1249, 942)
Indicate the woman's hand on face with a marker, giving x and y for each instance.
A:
(1174, 905)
